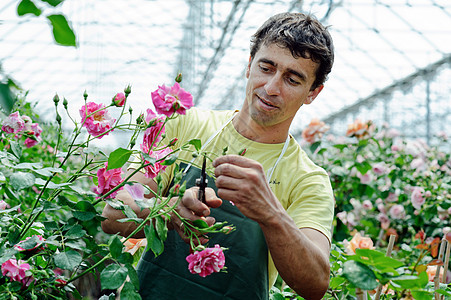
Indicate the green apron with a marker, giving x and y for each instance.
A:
(168, 277)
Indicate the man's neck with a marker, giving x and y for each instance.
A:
(245, 126)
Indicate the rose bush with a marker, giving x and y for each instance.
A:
(384, 185)
(53, 188)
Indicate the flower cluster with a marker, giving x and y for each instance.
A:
(50, 213)
(22, 126)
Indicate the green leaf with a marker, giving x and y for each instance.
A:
(53, 3)
(7, 98)
(13, 236)
(75, 232)
(200, 223)
(115, 204)
(314, 146)
(84, 215)
(129, 292)
(377, 259)
(21, 180)
(161, 228)
(133, 275)
(118, 158)
(48, 171)
(51, 185)
(170, 160)
(125, 258)
(28, 166)
(422, 295)
(62, 32)
(335, 282)
(359, 275)
(115, 246)
(28, 7)
(412, 282)
(129, 212)
(363, 167)
(153, 241)
(112, 277)
(340, 146)
(68, 260)
(196, 143)
(16, 148)
(31, 243)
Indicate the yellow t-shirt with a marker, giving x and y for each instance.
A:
(302, 187)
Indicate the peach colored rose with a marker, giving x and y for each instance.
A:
(314, 131)
(432, 271)
(133, 245)
(360, 130)
(358, 242)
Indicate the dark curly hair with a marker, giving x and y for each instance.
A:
(303, 35)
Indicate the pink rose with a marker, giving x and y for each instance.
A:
(383, 218)
(136, 190)
(365, 179)
(29, 142)
(207, 261)
(98, 123)
(16, 271)
(379, 168)
(392, 197)
(394, 148)
(13, 123)
(417, 198)
(119, 99)
(152, 170)
(397, 212)
(152, 135)
(150, 116)
(39, 242)
(108, 180)
(169, 100)
(367, 205)
(3, 205)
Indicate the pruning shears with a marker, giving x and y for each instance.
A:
(202, 182)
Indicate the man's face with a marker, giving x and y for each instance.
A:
(278, 84)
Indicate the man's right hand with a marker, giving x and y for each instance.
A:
(190, 208)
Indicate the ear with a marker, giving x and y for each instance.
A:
(312, 94)
(248, 69)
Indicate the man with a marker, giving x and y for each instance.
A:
(282, 203)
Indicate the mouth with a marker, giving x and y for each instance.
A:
(265, 102)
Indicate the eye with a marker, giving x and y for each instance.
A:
(264, 68)
(293, 81)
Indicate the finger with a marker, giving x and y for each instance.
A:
(230, 170)
(211, 199)
(235, 160)
(229, 183)
(191, 202)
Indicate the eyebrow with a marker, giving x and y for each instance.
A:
(294, 72)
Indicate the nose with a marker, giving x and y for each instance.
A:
(272, 86)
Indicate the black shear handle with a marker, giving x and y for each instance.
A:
(202, 182)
